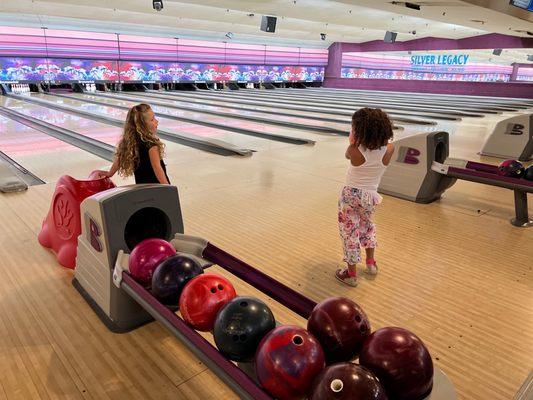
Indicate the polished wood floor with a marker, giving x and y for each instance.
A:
(455, 272)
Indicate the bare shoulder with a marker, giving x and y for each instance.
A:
(354, 155)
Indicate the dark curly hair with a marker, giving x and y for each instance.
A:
(372, 128)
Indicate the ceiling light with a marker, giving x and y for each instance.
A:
(229, 35)
(157, 4)
(407, 4)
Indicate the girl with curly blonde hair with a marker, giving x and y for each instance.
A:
(140, 152)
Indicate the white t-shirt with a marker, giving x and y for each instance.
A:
(367, 175)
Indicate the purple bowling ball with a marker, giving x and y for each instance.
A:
(401, 362)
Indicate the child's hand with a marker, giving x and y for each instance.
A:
(99, 174)
(351, 137)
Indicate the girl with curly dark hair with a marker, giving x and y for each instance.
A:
(140, 151)
(369, 152)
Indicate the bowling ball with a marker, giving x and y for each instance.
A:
(400, 361)
(287, 361)
(240, 325)
(171, 276)
(511, 169)
(341, 326)
(347, 381)
(202, 298)
(146, 256)
(528, 174)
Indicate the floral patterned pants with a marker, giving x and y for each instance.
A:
(356, 208)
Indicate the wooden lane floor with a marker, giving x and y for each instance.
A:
(455, 272)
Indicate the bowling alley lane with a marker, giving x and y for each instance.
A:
(160, 97)
(302, 109)
(281, 101)
(106, 133)
(243, 141)
(223, 105)
(39, 153)
(238, 123)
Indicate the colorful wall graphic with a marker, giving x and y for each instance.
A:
(67, 70)
(435, 67)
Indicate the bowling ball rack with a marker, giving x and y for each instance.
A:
(236, 378)
(488, 174)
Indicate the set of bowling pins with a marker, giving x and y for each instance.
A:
(89, 87)
(18, 89)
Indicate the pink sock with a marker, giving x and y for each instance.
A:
(370, 261)
(351, 274)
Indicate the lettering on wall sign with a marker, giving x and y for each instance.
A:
(514, 129)
(408, 155)
(441, 59)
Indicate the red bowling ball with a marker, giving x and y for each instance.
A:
(287, 360)
(340, 326)
(202, 298)
(401, 362)
(145, 258)
(347, 381)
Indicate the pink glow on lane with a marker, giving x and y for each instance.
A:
(107, 134)
(18, 139)
(171, 125)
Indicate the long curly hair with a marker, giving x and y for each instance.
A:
(372, 128)
(135, 132)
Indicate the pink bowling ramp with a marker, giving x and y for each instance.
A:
(62, 225)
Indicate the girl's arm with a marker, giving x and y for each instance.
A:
(388, 154)
(111, 172)
(155, 161)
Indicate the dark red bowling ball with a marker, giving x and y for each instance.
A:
(240, 326)
(511, 169)
(401, 362)
(347, 381)
(528, 174)
(287, 361)
(145, 258)
(171, 276)
(202, 298)
(341, 326)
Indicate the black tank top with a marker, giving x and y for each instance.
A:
(144, 173)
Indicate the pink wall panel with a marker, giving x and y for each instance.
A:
(36, 42)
